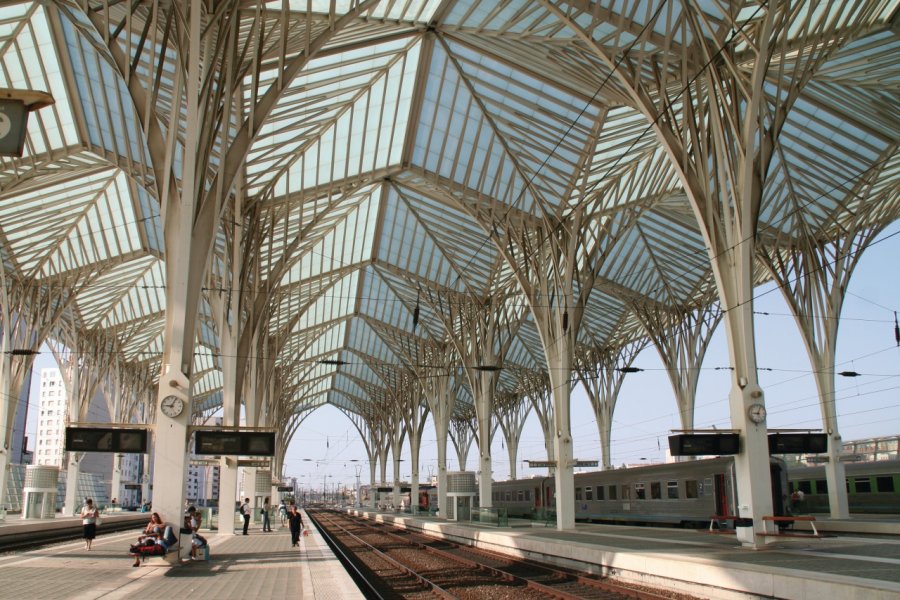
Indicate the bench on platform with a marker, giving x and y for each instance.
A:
(714, 523)
(807, 519)
(173, 545)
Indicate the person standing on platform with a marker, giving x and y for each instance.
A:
(295, 520)
(245, 512)
(267, 525)
(283, 513)
(89, 516)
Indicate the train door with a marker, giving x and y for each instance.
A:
(720, 494)
(780, 491)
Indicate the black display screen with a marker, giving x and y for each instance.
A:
(704, 444)
(104, 439)
(236, 443)
(798, 443)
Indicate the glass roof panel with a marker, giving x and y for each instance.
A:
(344, 115)
(103, 100)
(456, 141)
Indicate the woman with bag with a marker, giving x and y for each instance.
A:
(267, 525)
(90, 516)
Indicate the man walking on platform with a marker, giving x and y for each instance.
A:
(245, 512)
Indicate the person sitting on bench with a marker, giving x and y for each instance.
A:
(156, 545)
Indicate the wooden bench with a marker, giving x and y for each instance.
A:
(714, 522)
(808, 519)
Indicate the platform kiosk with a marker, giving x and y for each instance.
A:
(461, 492)
(40, 492)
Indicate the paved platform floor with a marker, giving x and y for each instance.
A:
(260, 566)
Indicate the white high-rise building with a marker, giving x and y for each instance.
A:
(51, 421)
(51, 439)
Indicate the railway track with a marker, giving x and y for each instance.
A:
(395, 563)
(17, 540)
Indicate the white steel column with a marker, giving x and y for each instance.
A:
(170, 450)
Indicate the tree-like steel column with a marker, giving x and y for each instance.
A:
(481, 329)
(84, 363)
(681, 339)
(510, 412)
(536, 387)
(435, 376)
(814, 277)
(602, 371)
(462, 431)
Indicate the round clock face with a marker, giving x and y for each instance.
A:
(757, 413)
(172, 406)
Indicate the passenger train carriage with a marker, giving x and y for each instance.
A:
(872, 487)
(684, 494)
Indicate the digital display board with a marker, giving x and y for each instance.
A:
(704, 444)
(105, 439)
(236, 443)
(798, 443)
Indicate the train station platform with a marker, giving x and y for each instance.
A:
(257, 566)
(849, 566)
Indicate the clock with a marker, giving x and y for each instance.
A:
(171, 406)
(757, 413)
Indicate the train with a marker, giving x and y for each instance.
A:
(688, 494)
(682, 494)
(872, 487)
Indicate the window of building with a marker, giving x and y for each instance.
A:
(656, 490)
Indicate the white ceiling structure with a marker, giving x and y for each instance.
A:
(397, 165)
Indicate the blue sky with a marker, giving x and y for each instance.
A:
(868, 406)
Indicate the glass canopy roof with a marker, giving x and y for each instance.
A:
(411, 144)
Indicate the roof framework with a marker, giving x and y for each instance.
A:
(404, 147)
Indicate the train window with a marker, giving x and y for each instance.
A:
(655, 490)
(578, 493)
(863, 485)
(640, 493)
(884, 483)
(589, 493)
(805, 486)
(626, 492)
(821, 486)
(690, 488)
(521, 496)
(612, 492)
(672, 489)
(507, 496)
(599, 492)
(528, 495)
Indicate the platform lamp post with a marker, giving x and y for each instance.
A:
(14, 108)
(358, 468)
